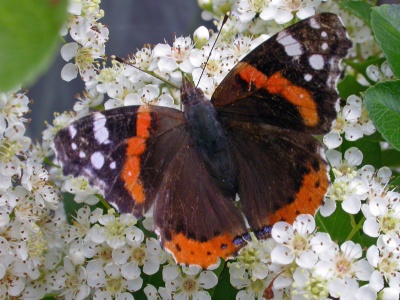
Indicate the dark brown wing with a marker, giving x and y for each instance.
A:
(282, 174)
(197, 224)
(289, 81)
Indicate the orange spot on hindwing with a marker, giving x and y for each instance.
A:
(309, 197)
(277, 84)
(204, 254)
(136, 146)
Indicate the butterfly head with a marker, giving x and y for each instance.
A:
(189, 93)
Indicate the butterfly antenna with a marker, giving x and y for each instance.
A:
(216, 39)
(124, 61)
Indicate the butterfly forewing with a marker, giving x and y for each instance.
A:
(289, 81)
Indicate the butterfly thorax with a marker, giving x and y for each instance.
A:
(208, 137)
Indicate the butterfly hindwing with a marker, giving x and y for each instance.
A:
(288, 81)
(282, 174)
(195, 221)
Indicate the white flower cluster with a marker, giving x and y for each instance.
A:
(299, 263)
(31, 219)
(352, 121)
(105, 256)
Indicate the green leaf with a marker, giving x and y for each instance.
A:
(360, 9)
(350, 86)
(385, 21)
(337, 225)
(395, 184)
(224, 289)
(29, 31)
(382, 102)
(342, 226)
(391, 158)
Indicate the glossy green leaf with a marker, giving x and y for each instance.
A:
(29, 35)
(385, 21)
(360, 9)
(382, 102)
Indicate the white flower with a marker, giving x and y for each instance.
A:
(36, 179)
(73, 280)
(176, 56)
(282, 10)
(82, 190)
(109, 283)
(90, 98)
(219, 64)
(387, 264)
(137, 254)
(248, 9)
(12, 279)
(253, 260)
(352, 158)
(190, 284)
(384, 73)
(116, 230)
(346, 188)
(310, 285)
(146, 95)
(345, 267)
(200, 36)
(383, 217)
(352, 120)
(254, 289)
(299, 242)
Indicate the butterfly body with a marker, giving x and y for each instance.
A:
(253, 139)
(209, 138)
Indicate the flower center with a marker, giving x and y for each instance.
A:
(300, 243)
(257, 286)
(114, 285)
(389, 223)
(189, 285)
(317, 288)
(343, 266)
(139, 255)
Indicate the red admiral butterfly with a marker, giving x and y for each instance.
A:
(254, 138)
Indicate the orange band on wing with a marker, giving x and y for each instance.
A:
(204, 254)
(308, 198)
(136, 146)
(277, 84)
(143, 122)
(130, 174)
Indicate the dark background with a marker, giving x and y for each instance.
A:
(132, 23)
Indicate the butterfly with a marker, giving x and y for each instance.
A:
(253, 139)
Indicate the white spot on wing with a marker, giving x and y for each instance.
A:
(101, 133)
(72, 131)
(324, 46)
(292, 46)
(112, 165)
(307, 77)
(314, 24)
(324, 34)
(316, 61)
(97, 160)
(82, 154)
(74, 146)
